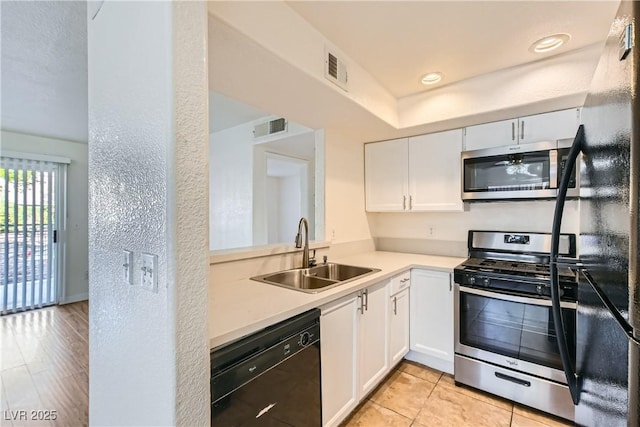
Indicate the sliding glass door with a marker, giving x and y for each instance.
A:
(30, 213)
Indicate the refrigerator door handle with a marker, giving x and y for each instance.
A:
(620, 320)
(573, 380)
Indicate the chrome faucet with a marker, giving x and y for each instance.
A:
(305, 251)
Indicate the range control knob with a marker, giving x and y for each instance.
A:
(472, 280)
(305, 338)
(486, 281)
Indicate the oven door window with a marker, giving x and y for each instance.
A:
(508, 172)
(513, 329)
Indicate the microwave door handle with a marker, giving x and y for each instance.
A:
(573, 380)
(553, 168)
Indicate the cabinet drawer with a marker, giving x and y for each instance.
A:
(400, 282)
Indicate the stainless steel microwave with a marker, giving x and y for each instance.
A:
(524, 171)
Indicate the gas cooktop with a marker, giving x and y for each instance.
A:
(516, 268)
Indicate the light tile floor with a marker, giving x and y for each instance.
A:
(416, 396)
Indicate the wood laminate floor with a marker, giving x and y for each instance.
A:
(44, 367)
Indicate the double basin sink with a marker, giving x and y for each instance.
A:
(316, 279)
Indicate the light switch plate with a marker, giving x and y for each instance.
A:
(127, 267)
(149, 272)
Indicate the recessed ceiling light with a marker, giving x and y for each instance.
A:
(549, 43)
(431, 78)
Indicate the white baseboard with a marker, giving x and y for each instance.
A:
(74, 298)
(430, 361)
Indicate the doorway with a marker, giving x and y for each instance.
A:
(31, 233)
(287, 195)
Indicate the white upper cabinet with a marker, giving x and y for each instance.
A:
(549, 126)
(434, 171)
(524, 130)
(420, 173)
(491, 135)
(386, 175)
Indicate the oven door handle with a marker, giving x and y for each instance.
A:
(573, 379)
(516, 298)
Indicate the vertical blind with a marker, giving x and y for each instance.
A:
(28, 234)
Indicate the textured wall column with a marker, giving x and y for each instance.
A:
(148, 193)
(191, 213)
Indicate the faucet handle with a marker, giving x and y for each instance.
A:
(312, 258)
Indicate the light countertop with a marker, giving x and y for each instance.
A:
(245, 306)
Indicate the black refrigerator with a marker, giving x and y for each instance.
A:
(604, 376)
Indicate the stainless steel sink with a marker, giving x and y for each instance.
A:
(315, 279)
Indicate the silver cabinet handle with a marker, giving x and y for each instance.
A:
(404, 203)
(361, 305)
(522, 130)
(395, 306)
(410, 202)
(406, 279)
(450, 282)
(366, 299)
(513, 131)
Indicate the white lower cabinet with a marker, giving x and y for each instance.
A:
(338, 347)
(432, 338)
(398, 326)
(354, 350)
(373, 352)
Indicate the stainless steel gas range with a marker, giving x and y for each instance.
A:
(505, 340)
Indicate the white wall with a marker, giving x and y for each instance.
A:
(148, 151)
(344, 189)
(231, 188)
(76, 287)
(280, 30)
(446, 228)
(290, 207)
(238, 204)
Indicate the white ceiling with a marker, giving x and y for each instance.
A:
(399, 41)
(44, 49)
(44, 68)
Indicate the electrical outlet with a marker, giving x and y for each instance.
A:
(127, 266)
(149, 272)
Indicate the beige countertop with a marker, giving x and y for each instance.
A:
(241, 307)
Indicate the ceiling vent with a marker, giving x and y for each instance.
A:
(270, 128)
(335, 70)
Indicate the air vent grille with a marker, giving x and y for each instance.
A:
(270, 128)
(335, 70)
(278, 125)
(333, 66)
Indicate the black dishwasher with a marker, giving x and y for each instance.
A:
(270, 378)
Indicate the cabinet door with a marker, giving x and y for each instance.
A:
(432, 318)
(549, 126)
(488, 135)
(434, 172)
(398, 326)
(372, 329)
(385, 168)
(338, 335)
